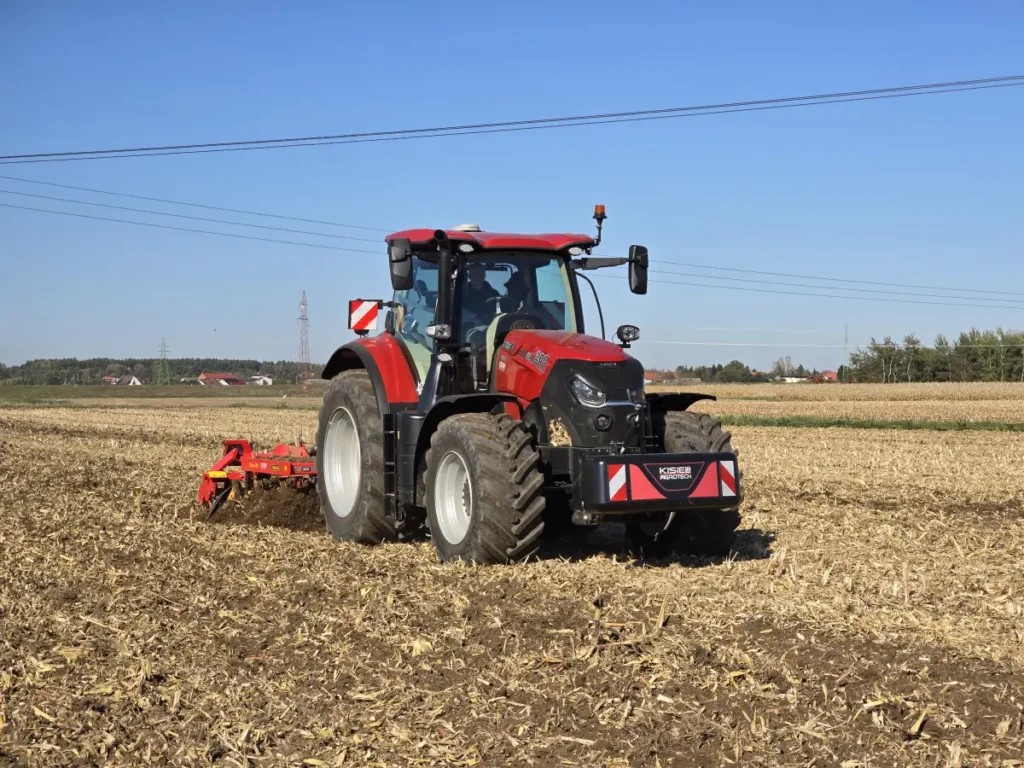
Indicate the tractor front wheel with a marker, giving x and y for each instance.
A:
(694, 531)
(350, 463)
(484, 489)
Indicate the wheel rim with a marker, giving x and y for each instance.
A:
(342, 462)
(453, 497)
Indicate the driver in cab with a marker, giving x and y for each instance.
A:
(478, 303)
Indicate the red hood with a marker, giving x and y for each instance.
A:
(566, 345)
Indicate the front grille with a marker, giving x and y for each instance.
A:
(619, 381)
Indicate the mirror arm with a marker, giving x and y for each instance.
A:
(590, 263)
(597, 300)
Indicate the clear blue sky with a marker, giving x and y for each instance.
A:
(911, 190)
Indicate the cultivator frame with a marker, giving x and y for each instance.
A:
(240, 467)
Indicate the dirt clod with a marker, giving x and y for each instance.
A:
(281, 506)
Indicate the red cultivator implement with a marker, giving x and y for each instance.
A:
(240, 467)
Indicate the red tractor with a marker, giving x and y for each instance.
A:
(485, 412)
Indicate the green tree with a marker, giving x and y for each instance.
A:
(734, 372)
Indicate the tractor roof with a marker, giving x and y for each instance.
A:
(550, 242)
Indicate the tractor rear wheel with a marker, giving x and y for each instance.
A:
(484, 489)
(350, 463)
(694, 531)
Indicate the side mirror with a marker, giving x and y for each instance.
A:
(638, 269)
(400, 258)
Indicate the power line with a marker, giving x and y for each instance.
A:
(194, 205)
(356, 250)
(822, 295)
(735, 344)
(522, 125)
(186, 229)
(380, 229)
(1011, 303)
(815, 346)
(185, 216)
(742, 330)
(830, 279)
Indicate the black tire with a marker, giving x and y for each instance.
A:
(505, 501)
(696, 531)
(365, 520)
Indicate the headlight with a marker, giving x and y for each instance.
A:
(587, 393)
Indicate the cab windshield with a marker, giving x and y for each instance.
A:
(496, 292)
(532, 286)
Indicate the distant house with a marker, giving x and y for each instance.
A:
(656, 377)
(110, 380)
(222, 379)
(128, 381)
(261, 381)
(829, 377)
(792, 379)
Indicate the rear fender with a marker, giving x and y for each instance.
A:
(667, 402)
(386, 363)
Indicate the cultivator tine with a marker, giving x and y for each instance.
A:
(217, 501)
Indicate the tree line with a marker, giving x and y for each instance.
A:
(73, 371)
(994, 355)
(737, 372)
(973, 356)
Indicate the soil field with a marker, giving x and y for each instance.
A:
(893, 410)
(923, 402)
(872, 614)
(859, 392)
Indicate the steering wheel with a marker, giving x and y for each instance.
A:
(515, 321)
(522, 322)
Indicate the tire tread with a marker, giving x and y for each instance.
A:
(509, 502)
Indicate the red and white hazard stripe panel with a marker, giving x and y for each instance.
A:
(617, 482)
(718, 480)
(362, 315)
(642, 488)
(728, 477)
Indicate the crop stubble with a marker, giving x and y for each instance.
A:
(872, 613)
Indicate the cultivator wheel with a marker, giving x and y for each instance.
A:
(694, 531)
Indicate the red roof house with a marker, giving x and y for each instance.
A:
(222, 379)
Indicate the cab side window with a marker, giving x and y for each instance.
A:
(415, 311)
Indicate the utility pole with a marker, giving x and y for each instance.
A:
(163, 371)
(846, 354)
(304, 373)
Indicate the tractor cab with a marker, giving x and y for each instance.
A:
(459, 293)
(492, 294)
